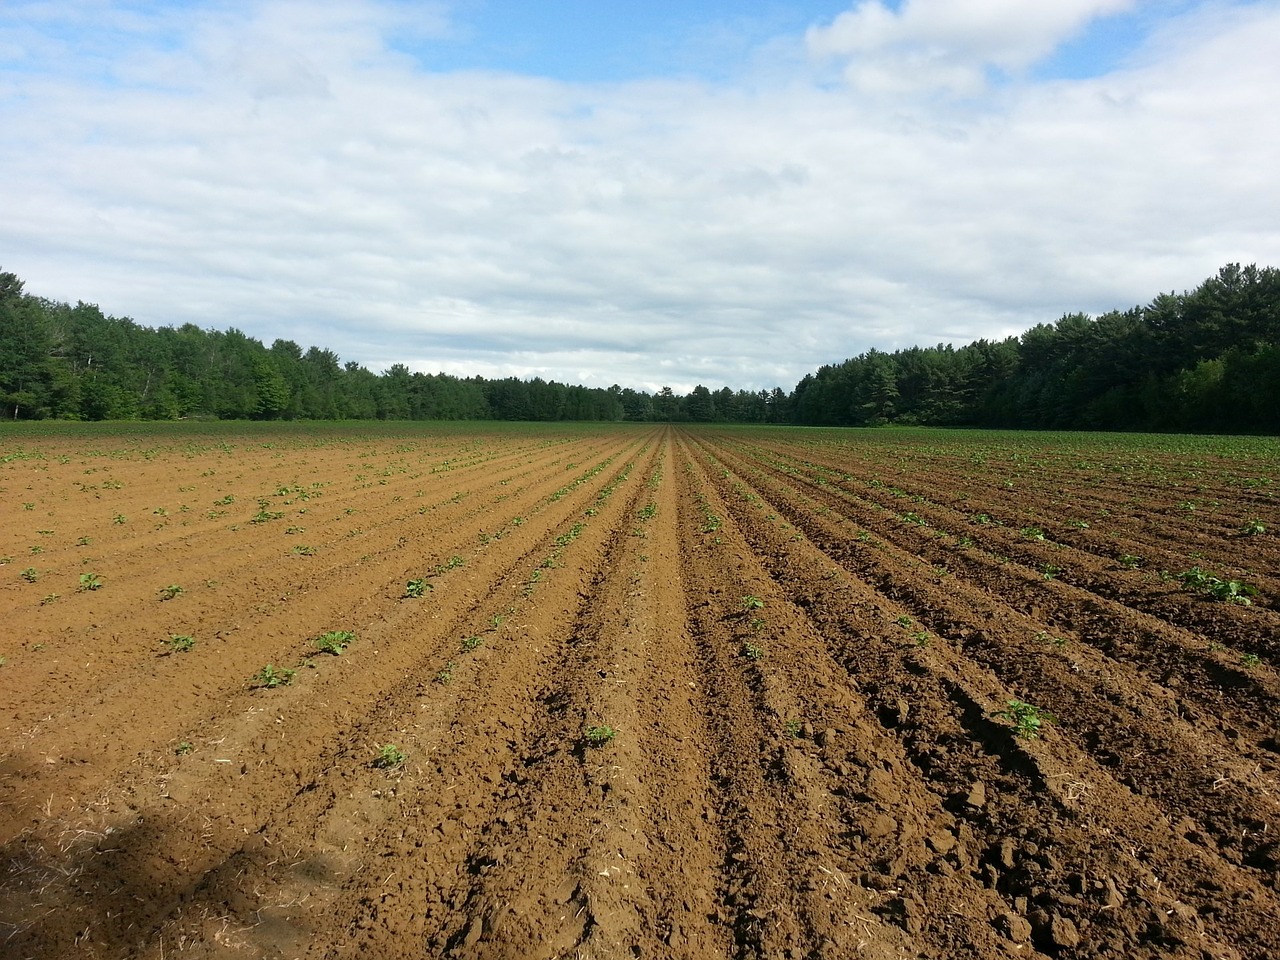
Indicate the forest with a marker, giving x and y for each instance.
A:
(1207, 360)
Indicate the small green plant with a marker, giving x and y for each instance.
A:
(1028, 721)
(471, 643)
(335, 641)
(903, 621)
(169, 592)
(1032, 533)
(1049, 571)
(1227, 591)
(389, 756)
(648, 511)
(1129, 561)
(83, 542)
(90, 581)
(302, 550)
(183, 748)
(271, 677)
(921, 637)
(752, 651)
(416, 588)
(756, 624)
(180, 642)
(51, 598)
(793, 728)
(444, 676)
(36, 549)
(119, 518)
(1250, 660)
(31, 574)
(1079, 524)
(1252, 528)
(752, 602)
(598, 735)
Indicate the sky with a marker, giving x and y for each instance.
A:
(638, 192)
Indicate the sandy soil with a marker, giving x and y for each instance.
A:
(662, 693)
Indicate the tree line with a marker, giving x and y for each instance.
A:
(1203, 361)
(1207, 360)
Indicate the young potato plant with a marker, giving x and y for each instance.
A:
(1028, 721)
(270, 677)
(598, 735)
(389, 757)
(335, 641)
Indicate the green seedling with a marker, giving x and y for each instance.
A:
(51, 598)
(1129, 561)
(1250, 660)
(389, 756)
(183, 748)
(416, 588)
(793, 728)
(903, 621)
(302, 550)
(599, 735)
(1253, 528)
(169, 592)
(271, 677)
(471, 643)
(752, 602)
(753, 651)
(31, 574)
(1032, 533)
(444, 676)
(1227, 591)
(335, 641)
(90, 581)
(180, 642)
(119, 518)
(1028, 721)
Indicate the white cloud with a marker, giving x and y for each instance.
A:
(949, 44)
(645, 234)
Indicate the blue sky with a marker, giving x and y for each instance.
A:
(647, 194)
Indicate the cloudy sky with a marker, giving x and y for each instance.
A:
(642, 192)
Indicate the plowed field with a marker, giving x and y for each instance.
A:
(638, 691)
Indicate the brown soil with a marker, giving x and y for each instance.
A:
(805, 644)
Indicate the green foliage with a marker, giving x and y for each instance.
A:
(180, 642)
(31, 574)
(1253, 528)
(471, 643)
(598, 735)
(335, 641)
(416, 588)
(752, 602)
(389, 756)
(90, 581)
(1227, 591)
(444, 676)
(183, 748)
(169, 592)
(271, 677)
(1027, 720)
(752, 651)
